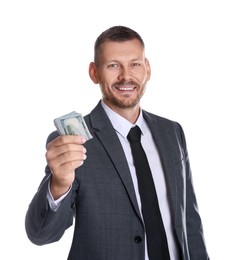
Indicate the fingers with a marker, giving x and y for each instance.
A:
(66, 153)
(58, 158)
(66, 139)
(63, 155)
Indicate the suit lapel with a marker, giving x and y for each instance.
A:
(170, 157)
(109, 139)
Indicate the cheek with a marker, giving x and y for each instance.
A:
(140, 74)
(109, 78)
(142, 79)
(105, 87)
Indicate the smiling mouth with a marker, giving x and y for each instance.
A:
(130, 88)
(125, 86)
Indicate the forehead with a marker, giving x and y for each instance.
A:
(131, 49)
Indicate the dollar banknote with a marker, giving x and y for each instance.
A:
(72, 124)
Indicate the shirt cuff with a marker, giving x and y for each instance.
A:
(55, 204)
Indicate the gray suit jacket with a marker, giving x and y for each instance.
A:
(108, 225)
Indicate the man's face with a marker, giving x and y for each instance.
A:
(122, 73)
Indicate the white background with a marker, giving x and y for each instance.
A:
(195, 50)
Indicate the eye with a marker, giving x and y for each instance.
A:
(135, 64)
(113, 66)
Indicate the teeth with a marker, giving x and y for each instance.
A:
(123, 88)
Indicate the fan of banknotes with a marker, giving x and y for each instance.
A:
(72, 124)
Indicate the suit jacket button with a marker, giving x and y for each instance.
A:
(137, 239)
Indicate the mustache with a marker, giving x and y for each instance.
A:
(124, 83)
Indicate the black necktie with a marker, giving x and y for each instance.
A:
(155, 232)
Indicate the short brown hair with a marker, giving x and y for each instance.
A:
(116, 34)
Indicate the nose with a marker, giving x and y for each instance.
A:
(125, 74)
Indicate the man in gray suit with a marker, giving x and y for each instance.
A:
(95, 181)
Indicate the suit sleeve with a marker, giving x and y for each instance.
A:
(194, 228)
(43, 225)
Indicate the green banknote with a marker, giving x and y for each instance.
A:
(72, 124)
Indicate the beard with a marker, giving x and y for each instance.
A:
(125, 101)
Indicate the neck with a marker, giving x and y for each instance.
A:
(130, 113)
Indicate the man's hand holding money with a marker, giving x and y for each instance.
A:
(66, 152)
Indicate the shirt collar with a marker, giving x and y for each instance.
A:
(122, 125)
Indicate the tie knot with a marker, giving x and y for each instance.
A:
(134, 134)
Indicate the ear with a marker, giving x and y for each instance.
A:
(148, 69)
(93, 73)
